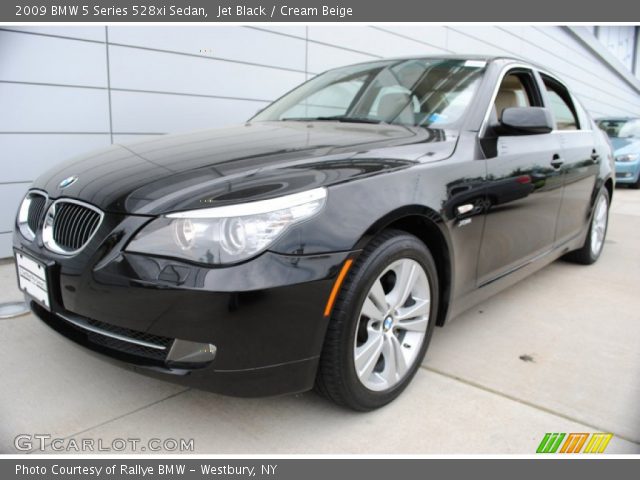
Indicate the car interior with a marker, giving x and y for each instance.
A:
(433, 95)
(512, 93)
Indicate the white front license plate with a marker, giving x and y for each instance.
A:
(32, 278)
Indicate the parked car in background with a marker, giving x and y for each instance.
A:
(321, 242)
(624, 134)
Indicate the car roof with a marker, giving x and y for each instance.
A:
(451, 56)
(615, 119)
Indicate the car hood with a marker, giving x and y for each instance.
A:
(237, 164)
(625, 146)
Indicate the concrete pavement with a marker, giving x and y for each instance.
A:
(558, 352)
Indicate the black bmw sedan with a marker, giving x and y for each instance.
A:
(320, 243)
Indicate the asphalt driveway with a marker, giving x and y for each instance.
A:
(558, 352)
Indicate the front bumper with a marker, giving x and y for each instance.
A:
(289, 377)
(252, 329)
(627, 172)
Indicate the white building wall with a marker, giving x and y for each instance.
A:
(67, 90)
(620, 41)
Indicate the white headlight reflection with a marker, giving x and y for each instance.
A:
(228, 234)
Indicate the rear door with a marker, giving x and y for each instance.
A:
(580, 160)
(524, 190)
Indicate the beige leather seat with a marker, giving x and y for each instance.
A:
(508, 97)
(396, 107)
(505, 99)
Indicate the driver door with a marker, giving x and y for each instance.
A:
(524, 189)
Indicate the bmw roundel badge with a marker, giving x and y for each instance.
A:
(67, 182)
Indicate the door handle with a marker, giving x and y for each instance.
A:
(557, 161)
(594, 156)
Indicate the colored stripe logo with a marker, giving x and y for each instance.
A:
(574, 443)
(598, 442)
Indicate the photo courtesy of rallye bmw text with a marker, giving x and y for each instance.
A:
(237, 230)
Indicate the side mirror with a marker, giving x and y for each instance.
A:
(525, 121)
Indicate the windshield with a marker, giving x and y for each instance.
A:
(621, 128)
(422, 92)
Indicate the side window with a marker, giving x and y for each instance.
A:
(561, 105)
(517, 89)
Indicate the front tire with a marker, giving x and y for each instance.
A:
(594, 243)
(381, 324)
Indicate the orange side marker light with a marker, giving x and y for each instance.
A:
(336, 286)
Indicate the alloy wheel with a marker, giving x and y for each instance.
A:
(392, 325)
(599, 225)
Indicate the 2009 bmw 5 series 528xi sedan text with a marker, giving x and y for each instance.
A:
(320, 243)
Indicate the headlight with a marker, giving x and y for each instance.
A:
(631, 157)
(226, 234)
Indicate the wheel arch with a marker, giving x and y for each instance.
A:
(608, 184)
(427, 225)
(603, 182)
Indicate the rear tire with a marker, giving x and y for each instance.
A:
(381, 323)
(594, 243)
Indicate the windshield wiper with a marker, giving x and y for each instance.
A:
(335, 118)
